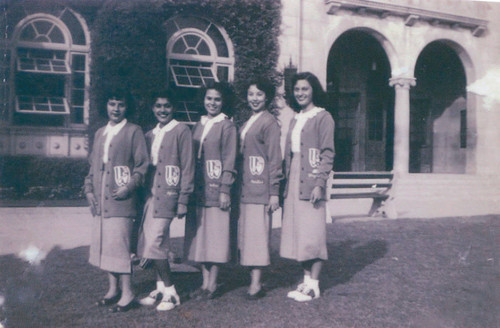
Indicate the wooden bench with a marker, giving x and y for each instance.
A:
(375, 185)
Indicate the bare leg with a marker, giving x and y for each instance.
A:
(127, 293)
(212, 281)
(205, 272)
(255, 284)
(113, 285)
(316, 269)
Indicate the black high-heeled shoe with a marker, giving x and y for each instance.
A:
(108, 301)
(118, 308)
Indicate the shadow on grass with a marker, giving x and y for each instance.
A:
(66, 285)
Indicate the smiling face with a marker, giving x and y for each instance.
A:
(213, 102)
(116, 110)
(256, 99)
(163, 110)
(303, 93)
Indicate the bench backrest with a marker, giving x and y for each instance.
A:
(358, 184)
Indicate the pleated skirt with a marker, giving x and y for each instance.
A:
(303, 231)
(254, 234)
(207, 235)
(154, 234)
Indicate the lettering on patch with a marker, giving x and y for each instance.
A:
(122, 175)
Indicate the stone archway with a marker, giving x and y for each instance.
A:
(438, 112)
(362, 103)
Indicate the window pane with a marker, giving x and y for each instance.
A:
(58, 108)
(179, 47)
(193, 71)
(196, 81)
(179, 70)
(208, 80)
(28, 33)
(219, 41)
(74, 27)
(182, 80)
(78, 80)
(41, 100)
(193, 22)
(27, 64)
(56, 101)
(77, 115)
(43, 27)
(78, 97)
(26, 106)
(223, 73)
(206, 72)
(42, 107)
(203, 48)
(78, 62)
(56, 35)
(192, 40)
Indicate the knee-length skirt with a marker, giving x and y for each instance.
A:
(154, 234)
(303, 230)
(254, 234)
(207, 235)
(110, 242)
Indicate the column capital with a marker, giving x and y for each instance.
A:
(402, 82)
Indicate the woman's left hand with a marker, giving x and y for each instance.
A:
(181, 210)
(273, 203)
(120, 193)
(224, 201)
(316, 195)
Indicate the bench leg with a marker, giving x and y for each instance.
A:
(375, 206)
(390, 209)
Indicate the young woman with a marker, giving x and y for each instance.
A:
(118, 163)
(207, 235)
(261, 173)
(170, 182)
(309, 153)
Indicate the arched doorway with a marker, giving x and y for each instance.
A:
(361, 102)
(438, 112)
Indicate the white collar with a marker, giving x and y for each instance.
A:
(309, 114)
(165, 128)
(114, 129)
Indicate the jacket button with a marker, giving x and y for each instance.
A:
(159, 186)
(106, 198)
(157, 198)
(159, 173)
(107, 172)
(106, 211)
(107, 185)
(159, 161)
(156, 211)
(301, 181)
(302, 156)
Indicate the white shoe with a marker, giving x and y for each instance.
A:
(151, 298)
(296, 292)
(308, 294)
(168, 302)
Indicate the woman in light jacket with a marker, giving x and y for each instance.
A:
(170, 182)
(207, 227)
(118, 163)
(261, 172)
(309, 153)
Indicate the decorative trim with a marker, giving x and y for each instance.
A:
(402, 82)
(410, 15)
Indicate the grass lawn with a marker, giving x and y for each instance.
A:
(392, 273)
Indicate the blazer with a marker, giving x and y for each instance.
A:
(127, 165)
(317, 151)
(172, 180)
(261, 161)
(215, 170)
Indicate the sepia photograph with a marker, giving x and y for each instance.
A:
(250, 163)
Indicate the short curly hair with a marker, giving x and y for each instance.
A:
(318, 96)
(265, 85)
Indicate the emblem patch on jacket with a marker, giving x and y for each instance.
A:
(214, 168)
(122, 175)
(314, 157)
(256, 164)
(172, 175)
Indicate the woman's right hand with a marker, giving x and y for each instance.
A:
(92, 203)
(224, 201)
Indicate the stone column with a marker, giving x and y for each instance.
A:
(402, 123)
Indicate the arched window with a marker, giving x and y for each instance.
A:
(49, 68)
(198, 52)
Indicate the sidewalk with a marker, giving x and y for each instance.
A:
(69, 227)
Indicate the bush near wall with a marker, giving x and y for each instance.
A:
(40, 178)
(129, 47)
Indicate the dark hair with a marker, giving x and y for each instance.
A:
(265, 85)
(164, 93)
(226, 94)
(318, 95)
(116, 93)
